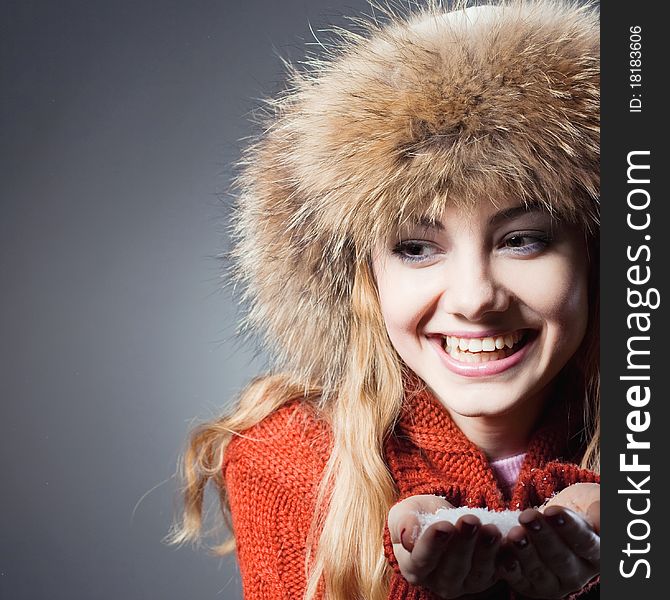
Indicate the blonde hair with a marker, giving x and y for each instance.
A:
(362, 488)
(589, 357)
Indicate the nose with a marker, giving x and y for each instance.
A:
(474, 290)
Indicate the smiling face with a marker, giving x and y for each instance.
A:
(486, 307)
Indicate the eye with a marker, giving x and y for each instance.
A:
(526, 243)
(415, 251)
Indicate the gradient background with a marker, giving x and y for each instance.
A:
(118, 124)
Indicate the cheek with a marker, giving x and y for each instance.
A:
(558, 294)
(399, 309)
(404, 305)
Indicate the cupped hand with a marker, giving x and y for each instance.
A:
(581, 498)
(554, 553)
(450, 560)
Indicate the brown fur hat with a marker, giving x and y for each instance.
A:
(424, 109)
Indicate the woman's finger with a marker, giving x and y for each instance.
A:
(576, 533)
(430, 547)
(461, 548)
(593, 516)
(556, 543)
(418, 566)
(509, 569)
(482, 574)
(549, 546)
(403, 519)
(527, 544)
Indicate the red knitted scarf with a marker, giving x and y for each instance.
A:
(429, 454)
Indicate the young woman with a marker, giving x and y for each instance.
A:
(417, 238)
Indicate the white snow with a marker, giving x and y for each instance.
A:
(504, 520)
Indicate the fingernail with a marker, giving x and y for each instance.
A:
(406, 541)
(556, 519)
(535, 525)
(522, 543)
(468, 529)
(490, 540)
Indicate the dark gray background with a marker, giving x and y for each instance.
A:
(118, 123)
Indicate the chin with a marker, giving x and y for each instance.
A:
(485, 401)
(479, 409)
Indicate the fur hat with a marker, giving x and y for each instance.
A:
(426, 109)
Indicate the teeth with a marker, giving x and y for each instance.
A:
(475, 345)
(478, 357)
(475, 350)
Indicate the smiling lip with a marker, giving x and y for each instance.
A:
(483, 369)
(479, 334)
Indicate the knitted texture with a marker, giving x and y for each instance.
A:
(429, 454)
(506, 471)
(272, 476)
(273, 470)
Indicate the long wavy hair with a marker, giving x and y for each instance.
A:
(408, 130)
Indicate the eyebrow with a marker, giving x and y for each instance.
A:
(428, 223)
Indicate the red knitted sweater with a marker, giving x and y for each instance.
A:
(273, 470)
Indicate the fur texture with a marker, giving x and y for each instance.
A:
(393, 123)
